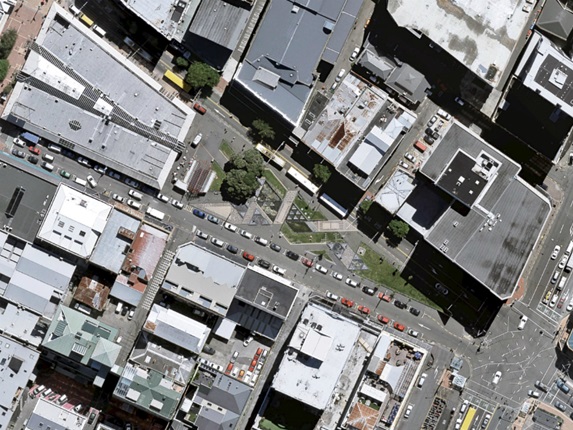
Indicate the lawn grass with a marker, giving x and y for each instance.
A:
(216, 185)
(312, 237)
(274, 182)
(226, 149)
(308, 211)
(386, 275)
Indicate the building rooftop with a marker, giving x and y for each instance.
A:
(17, 364)
(408, 83)
(86, 340)
(492, 233)
(55, 417)
(92, 293)
(395, 191)
(221, 402)
(74, 221)
(482, 35)
(216, 31)
(310, 373)
(171, 18)
(293, 37)
(547, 71)
(20, 324)
(203, 277)
(555, 20)
(83, 94)
(117, 234)
(345, 118)
(177, 329)
(149, 390)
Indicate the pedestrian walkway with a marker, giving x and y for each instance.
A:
(156, 281)
(285, 206)
(335, 225)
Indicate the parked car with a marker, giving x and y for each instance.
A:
(410, 157)
(368, 290)
(533, 393)
(279, 270)
(351, 282)
(409, 410)
(429, 139)
(199, 108)
(292, 255)
(230, 227)
(177, 204)
(337, 276)
(19, 142)
(400, 305)
(213, 219)
(264, 264)
(162, 197)
(307, 262)
(117, 198)
(34, 150)
(332, 296)
(134, 204)
(232, 249)
(91, 181)
(340, 75)
(364, 310)
(562, 385)
(414, 312)
(208, 350)
(560, 406)
(217, 242)
(496, 378)
(413, 333)
(347, 302)
(197, 140)
(248, 340)
(246, 234)
(399, 327)
(201, 235)
(248, 257)
(387, 298)
(522, 322)
(84, 162)
(355, 53)
(32, 159)
(100, 169)
(541, 386)
(555, 252)
(65, 174)
(321, 269)
(275, 247)
(199, 213)
(383, 319)
(18, 153)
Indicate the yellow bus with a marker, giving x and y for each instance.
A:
(468, 419)
(176, 80)
(87, 20)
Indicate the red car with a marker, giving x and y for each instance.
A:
(34, 150)
(399, 327)
(364, 310)
(258, 353)
(384, 297)
(199, 108)
(229, 368)
(253, 365)
(247, 256)
(383, 319)
(347, 302)
(307, 262)
(560, 304)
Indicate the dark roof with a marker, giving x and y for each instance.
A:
(408, 82)
(460, 180)
(555, 20)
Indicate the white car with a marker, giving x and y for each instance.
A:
(496, 377)
(279, 270)
(522, 322)
(197, 140)
(413, 333)
(404, 165)
(117, 198)
(246, 234)
(409, 409)
(422, 379)
(162, 197)
(354, 53)
(458, 424)
(534, 394)
(134, 204)
(247, 341)
(351, 282)
(569, 307)
(201, 235)
(555, 252)
(230, 227)
(19, 142)
(91, 181)
(177, 204)
(340, 75)
(337, 276)
(563, 262)
(321, 269)
(332, 296)
(409, 157)
(217, 242)
(526, 8)
(84, 162)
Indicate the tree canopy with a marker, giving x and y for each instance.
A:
(399, 229)
(243, 170)
(321, 173)
(263, 130)
(7, 41)
(4, 67)
(250, 161)
(365, 205)
(201, 75)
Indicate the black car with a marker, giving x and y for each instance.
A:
(400, 305)
(208, 350)
(368, 290)
(32, 159)
(264, 264)
(429, 131)
(292, 255)
(232, 249)
(275, 247)
(429, 139)
(124, 310)
(91, 418)
(18, 153)
(414, 311)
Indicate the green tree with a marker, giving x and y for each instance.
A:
(398, 229)
(365, 205)
(321, 173)
(4, 67)
(263, 130)
(7, 41)
(182, 62)
(201, 75)
(239, 185)
(250, 161)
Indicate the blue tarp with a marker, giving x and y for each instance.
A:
(32, 138)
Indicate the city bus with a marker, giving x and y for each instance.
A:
(272, 155)
(302, 180)
(469, 419)
(176, 80)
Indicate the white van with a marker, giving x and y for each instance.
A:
(569, 248)
(49, 167)
(98, 30)
(80, 181)
(74, 10)
(119, 307)
(197, 140)
(135, 194)
(55, 148)
(47, 157)
(561, 283)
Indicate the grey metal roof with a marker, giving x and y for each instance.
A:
(109, 252)
(555, 20)
(290, 42)
(408, 82)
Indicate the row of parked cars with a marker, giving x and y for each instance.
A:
(60, 399)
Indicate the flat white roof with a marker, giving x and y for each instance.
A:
(49, 414)
(310, 373)
(478, 33)
(74, 221)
